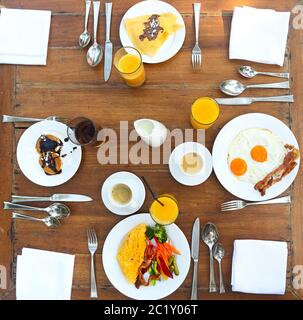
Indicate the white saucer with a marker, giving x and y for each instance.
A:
(176, 158)
(133, 182)
(172, 45)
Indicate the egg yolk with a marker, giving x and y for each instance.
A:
(259, 153)
(238, 167)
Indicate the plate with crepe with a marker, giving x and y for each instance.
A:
(46, 156)
(155, 28)
(146, 261)
(256, 157)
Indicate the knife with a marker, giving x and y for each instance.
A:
(195, 241)
(108, 44)
(246, 101)
(55, 197)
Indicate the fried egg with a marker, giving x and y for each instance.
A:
(254, 153)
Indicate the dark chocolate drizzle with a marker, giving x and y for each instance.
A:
(48, 145)
(48, 159)
(152, 28)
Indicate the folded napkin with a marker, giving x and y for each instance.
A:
(259, 35)
(24, 36)
(44, 275)
(259, 266)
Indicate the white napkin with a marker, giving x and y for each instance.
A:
(259, 35)
(44, 275)
(24, 36)
(259, 266)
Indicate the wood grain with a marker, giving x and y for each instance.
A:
(68, 87)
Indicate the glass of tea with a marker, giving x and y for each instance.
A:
(82, 131)
(128, 61)
(164, 210)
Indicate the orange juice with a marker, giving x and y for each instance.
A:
(204, 112)
(128, 62)
(166, 214)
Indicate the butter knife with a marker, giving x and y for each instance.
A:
(246, 101)
(195, 242)
(108, 44)
(55, 197)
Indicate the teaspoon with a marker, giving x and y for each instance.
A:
(249, 72)
(84, 38)
(95, 52)
(210, 236)
(218, 252)
(56, 210)
(50, 222)
(235, 88)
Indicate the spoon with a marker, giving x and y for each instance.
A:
(218, 252)
(56, 210)
(50, 222)
(95, 52)
(249, 72)
(84, 38)
(235, 88)
(210, 236)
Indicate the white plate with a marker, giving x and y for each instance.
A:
(133, 182)
(28, 157)
(172, 45)
(242, 189)
(115, 275)
(176, 159)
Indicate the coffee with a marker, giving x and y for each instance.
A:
(121, 193)
(192, 163)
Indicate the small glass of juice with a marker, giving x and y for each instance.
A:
(165, 209)
(128, 61)
(204, 113)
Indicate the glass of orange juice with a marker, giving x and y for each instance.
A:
(204, 112)
(128, 61)
(164, 210)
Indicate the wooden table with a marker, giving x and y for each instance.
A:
(68, 87)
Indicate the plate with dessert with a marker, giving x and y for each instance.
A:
(155, 28)
(45, 154)
(256, 157)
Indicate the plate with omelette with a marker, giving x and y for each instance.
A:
(155, 28)
(46, 156)
(256, 157)
(144, 260)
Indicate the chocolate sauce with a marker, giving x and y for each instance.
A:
(152, 28)
(46, 144)
(48, 159)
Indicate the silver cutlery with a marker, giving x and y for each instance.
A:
(210, 237)
(240, 204)
(6, 118)
(49, 221)
(195, 241)
(92, 247)
(56, 210)
(54, 198)
(235, 88)
(108, 49)
(249, 72)
(246, 101)
(84, 38)
(219, 252)
(196, 55)
(95, 52)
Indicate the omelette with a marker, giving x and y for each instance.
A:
(131, 252)
(149, 32)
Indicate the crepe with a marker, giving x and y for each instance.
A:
(149, 32)
(131, 252)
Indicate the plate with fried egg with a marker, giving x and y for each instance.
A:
(256, 157)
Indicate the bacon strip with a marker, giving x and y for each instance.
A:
(289, 163)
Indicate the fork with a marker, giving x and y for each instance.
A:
(92, 247)
(6, 118)
(196, 55)
(240, 204)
